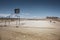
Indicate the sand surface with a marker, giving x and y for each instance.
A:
(31, 30)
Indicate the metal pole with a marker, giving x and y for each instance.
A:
(16, 22)
(9, 20)
(5, 22)
(19, 19)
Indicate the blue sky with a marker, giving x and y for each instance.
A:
(30, 8)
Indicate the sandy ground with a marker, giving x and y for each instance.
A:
(31, 30)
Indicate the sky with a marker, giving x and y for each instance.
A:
(30, 8)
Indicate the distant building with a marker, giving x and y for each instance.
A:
(52, 17)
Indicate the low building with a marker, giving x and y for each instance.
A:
(52, 17)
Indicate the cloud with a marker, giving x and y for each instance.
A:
(36, 17)
(4, 15)
(25, 14)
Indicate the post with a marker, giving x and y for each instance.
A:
(17, 11)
